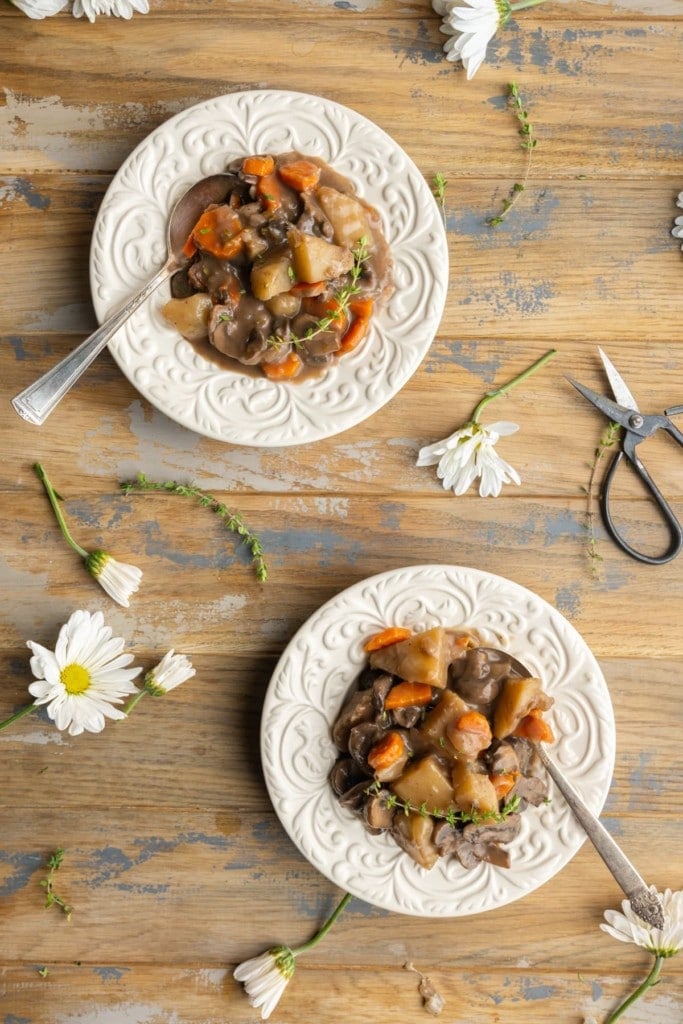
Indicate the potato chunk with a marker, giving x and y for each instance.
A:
(316, 260)
(517, 698)
(449, 709)
(272, 275)
(422, 658)
(425, 782)
(190, 316)
(473, 792)
(346, 215)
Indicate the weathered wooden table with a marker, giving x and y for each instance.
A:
(175, 863)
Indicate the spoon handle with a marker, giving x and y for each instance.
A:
(645, 904)
(39, 399)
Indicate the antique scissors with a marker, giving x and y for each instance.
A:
(637, 427)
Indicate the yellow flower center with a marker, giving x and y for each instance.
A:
(75, 678)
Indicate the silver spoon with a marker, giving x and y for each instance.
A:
(645, 903)
(38, 400)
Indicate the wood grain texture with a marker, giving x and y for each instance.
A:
(176, 864)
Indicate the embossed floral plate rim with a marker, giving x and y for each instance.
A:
(307, 690)
(128, 246)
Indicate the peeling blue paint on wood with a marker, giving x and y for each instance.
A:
(420, 49)
(465, 355)
(21, 867)
(111, 973)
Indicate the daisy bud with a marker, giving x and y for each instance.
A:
(118, 579)
(172, 670)
(265, 978)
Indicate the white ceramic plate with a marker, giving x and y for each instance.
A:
(308, 688)
(128, 246)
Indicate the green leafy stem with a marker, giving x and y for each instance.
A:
(529, 142)
(53, 898)
(232, 520)
(451, 815)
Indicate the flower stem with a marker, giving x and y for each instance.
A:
(524, 4)
(19, 714)
(132, 702)
(648, 983)
(511, 384)
(325, 928)
(54, 501)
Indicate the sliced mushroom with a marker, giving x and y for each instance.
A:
(377, 815)
(362, 739)
(530, 788)
(413, 833)
(357, 708)
(344, 775)
(501, 758)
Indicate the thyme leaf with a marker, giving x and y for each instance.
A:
(232, 520)
(439, 186)
(52, 898)
(340, 298)
(609, 438)
(529, 141)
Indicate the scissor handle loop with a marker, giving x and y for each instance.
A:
(673, 525)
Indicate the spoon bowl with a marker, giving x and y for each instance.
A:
(644, 901)
(39, 399)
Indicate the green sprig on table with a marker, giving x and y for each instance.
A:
(529, 143)
(232, 520)
(52, 898)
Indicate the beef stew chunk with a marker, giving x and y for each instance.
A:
(292, 265)
(437, 746)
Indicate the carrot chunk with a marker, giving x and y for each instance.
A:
(269, 192)
(503, 784)
(408, 695)
(533, 727)
(387, 752)
(301, 175)
(258, 165)
(361, 311)
(388, 636)
(218, 232)
(288, 368)
(474, 721)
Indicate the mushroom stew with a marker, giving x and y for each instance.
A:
(437, 745)
(286, 273)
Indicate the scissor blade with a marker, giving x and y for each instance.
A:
(610, 409)
(619, 388)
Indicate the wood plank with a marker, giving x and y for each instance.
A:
(216, 767)
(222, 885)
(67, 125)
(564, 285)
(315, 549)
(208, 994)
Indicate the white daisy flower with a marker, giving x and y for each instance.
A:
(172, 670)
(265, 978)
(661, 942)
(472, 28)
(469, 454)
(119, 8)
(39, 9)
(628, 927)
(118, 579)
(85, 675)
(677, 232)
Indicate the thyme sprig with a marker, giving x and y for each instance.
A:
(439, 186)
(232, 520)
(529, 142)
(53, 898)
(451, 815)
(609, 438)
(340, 298)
